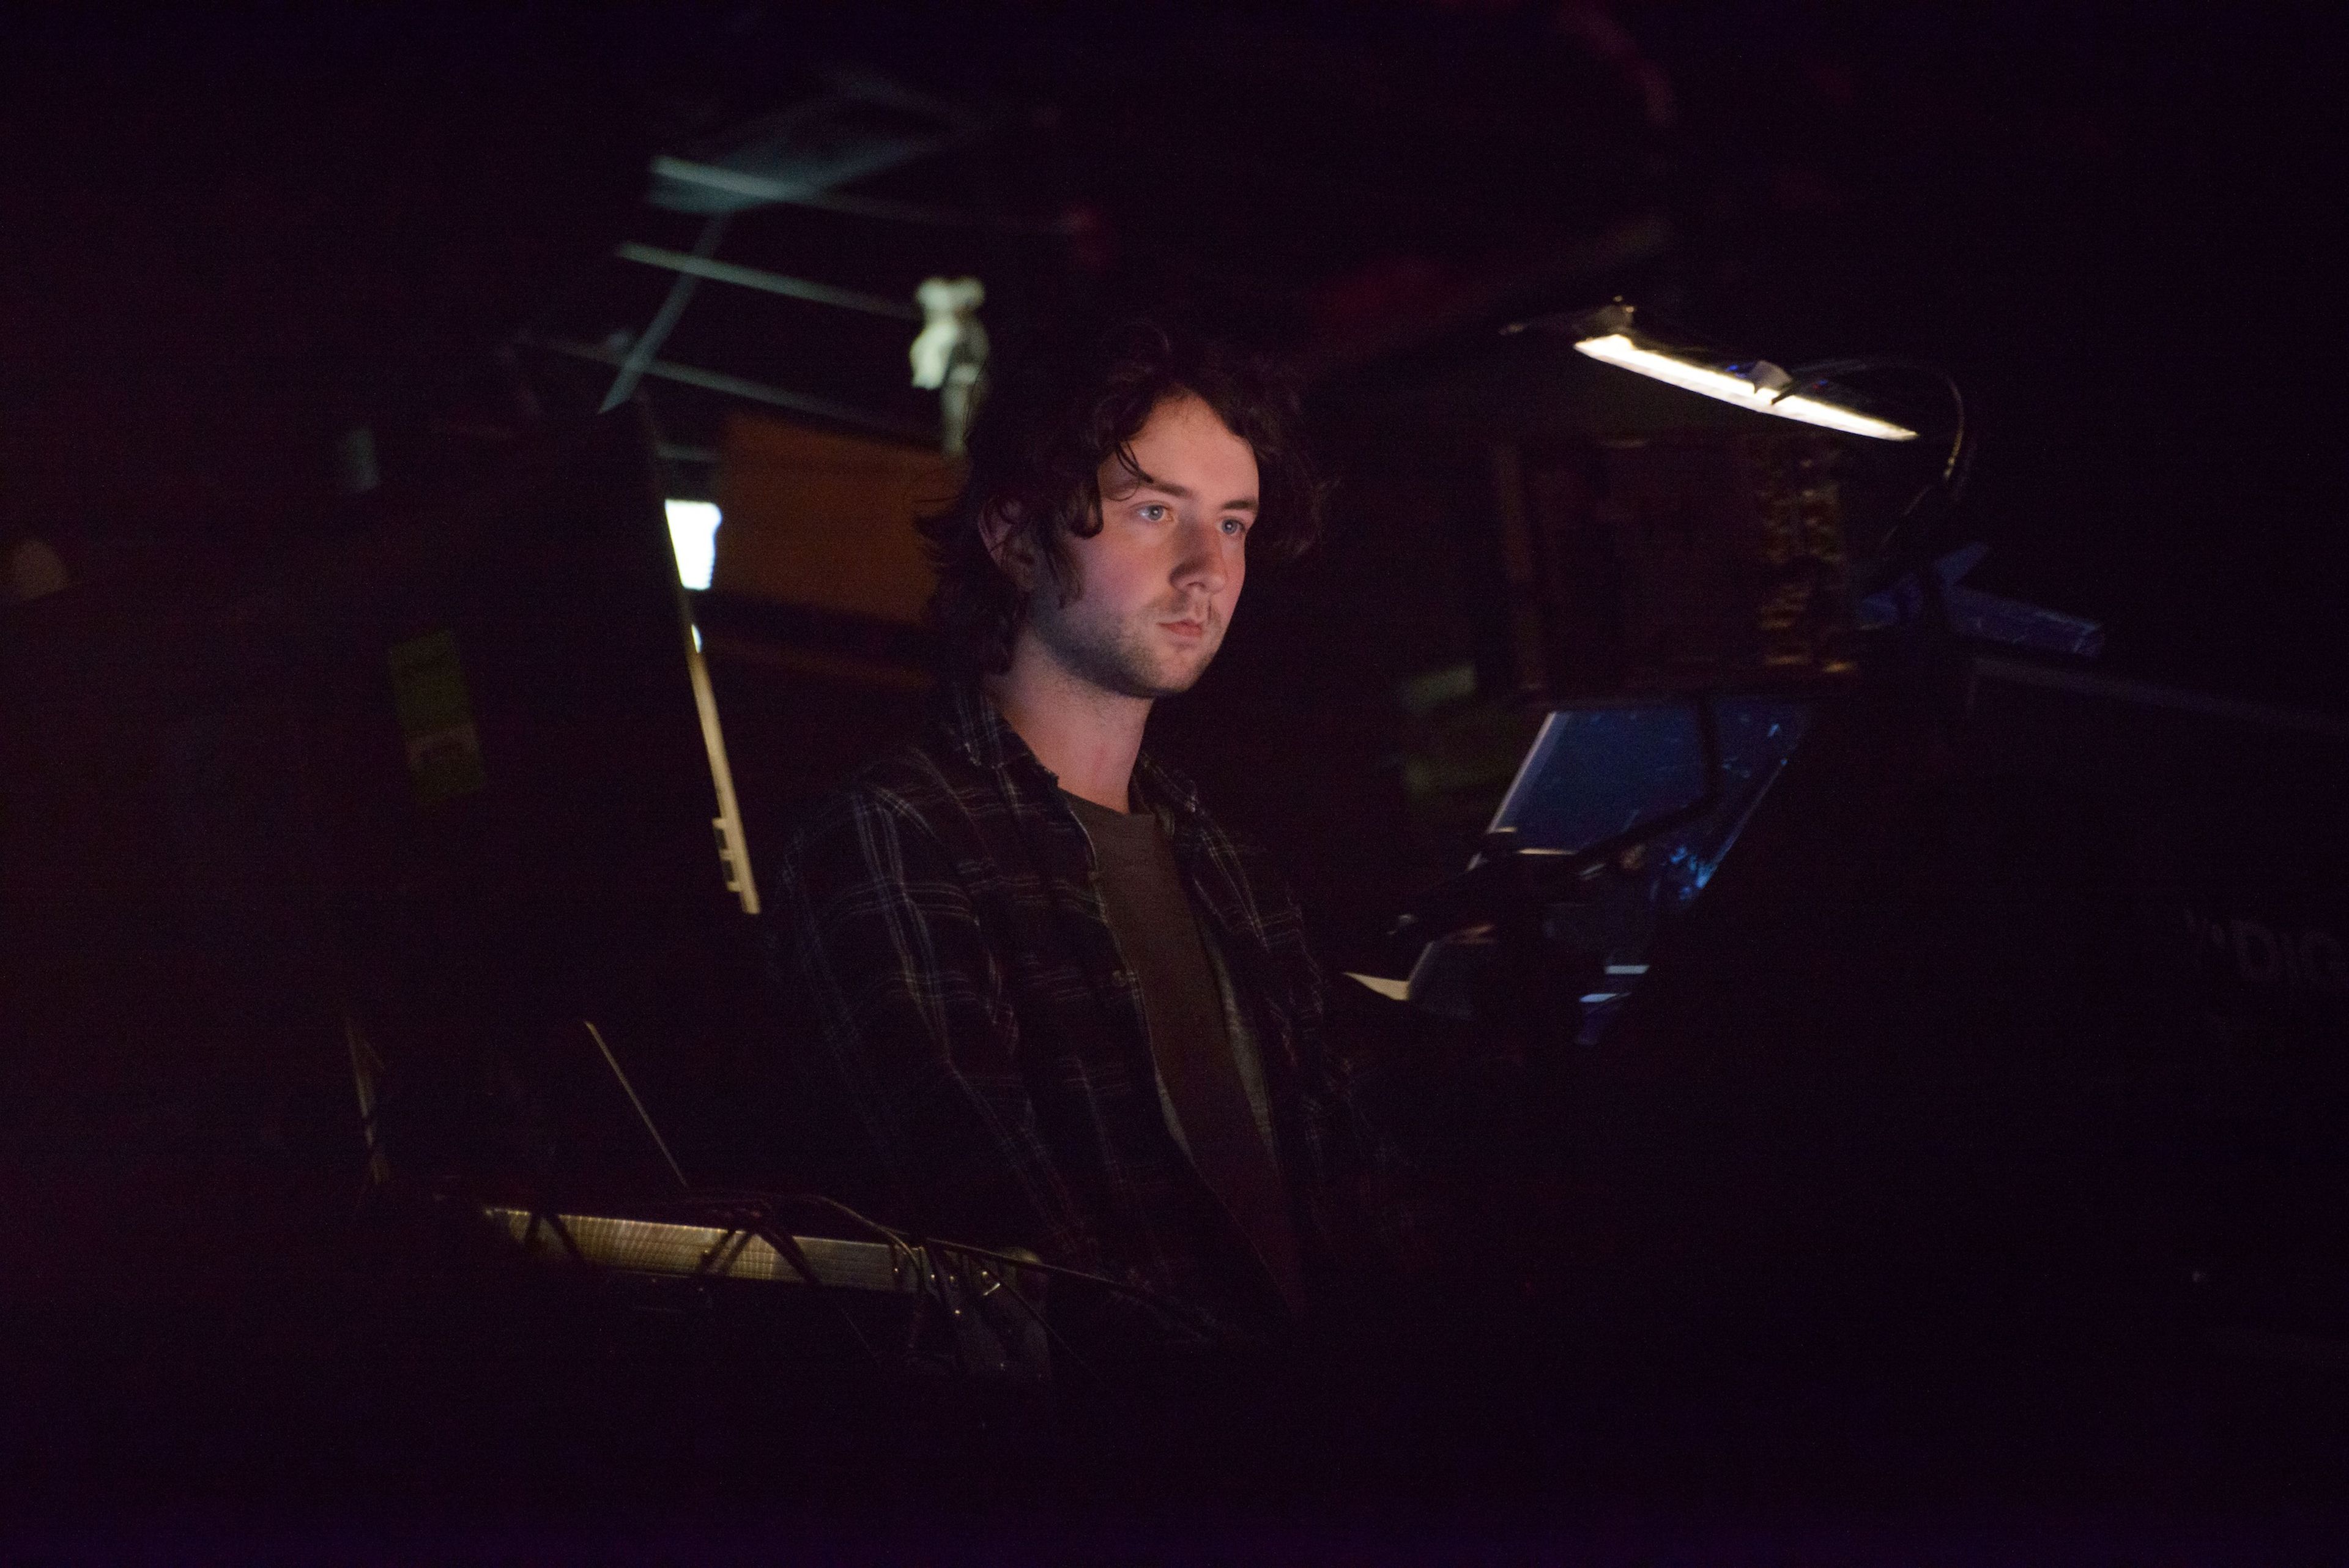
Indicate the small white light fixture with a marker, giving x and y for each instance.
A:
(1608, 336)
(693, 535)
(1765, 393)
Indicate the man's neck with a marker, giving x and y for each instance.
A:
(1087, 736)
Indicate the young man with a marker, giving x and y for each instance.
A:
(1051, 1003)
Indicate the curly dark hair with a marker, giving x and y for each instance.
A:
(1036, 453)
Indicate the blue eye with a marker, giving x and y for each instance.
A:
(1234, 527)
(1154, 512)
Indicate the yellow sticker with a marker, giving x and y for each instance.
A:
(436, 717)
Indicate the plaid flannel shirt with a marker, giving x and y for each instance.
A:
(941, 921)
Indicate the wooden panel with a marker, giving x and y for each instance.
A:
(825, 520)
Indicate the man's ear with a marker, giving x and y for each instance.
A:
(1007, 543)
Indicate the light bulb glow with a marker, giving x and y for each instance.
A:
(693, 535)
(1615, 349)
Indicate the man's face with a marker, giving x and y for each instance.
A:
(1156, 589)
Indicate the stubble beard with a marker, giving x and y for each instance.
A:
(1123, 657)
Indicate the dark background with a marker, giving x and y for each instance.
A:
(227, 237)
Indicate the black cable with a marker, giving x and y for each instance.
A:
(935, 1279)
(1815, 374)
(642, 1114)
(1901, 551)
(1010, 1284)
(1058, 1340)
(920, 1255)
(1908, 548)
(1142, 1293)
(919, 1258)
(1170, 1310)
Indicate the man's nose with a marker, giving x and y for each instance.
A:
(1200, 561)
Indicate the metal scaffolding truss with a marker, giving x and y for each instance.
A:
(805, 157)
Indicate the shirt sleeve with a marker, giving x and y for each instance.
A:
(914, 1033)
(1374, 1207)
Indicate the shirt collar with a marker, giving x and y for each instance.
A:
(975, 727)
(1163, 786)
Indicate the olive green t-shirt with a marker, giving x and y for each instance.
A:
(1212, 1110)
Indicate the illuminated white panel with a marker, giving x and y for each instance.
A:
(693, 534)
(653, 1247)
(1614, 348)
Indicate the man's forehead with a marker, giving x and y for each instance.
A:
(1173, 435)
(1141, 482)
